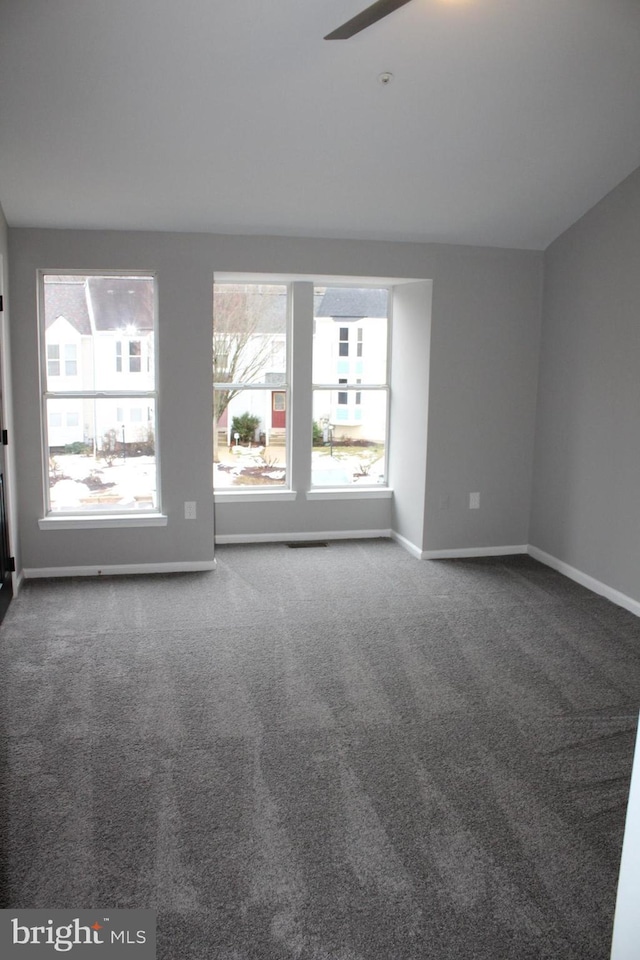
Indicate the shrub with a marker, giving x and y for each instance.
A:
(107, 451)
(78, 447)
(245, 425)
(318, 435)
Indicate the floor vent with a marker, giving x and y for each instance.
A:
(295, 544)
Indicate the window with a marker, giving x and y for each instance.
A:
(94, 318)
(135, 356)
(133, 353)
(264, 443)
(70, 360)
(350, 396)
(250, 385)
(55, 366)
(53, 359)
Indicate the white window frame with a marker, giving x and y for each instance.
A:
(281, 491)
(300, 392)
(120, 516)
(356, 388)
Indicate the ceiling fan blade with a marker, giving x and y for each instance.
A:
(361, 21)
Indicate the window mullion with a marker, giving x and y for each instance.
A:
(301, 389)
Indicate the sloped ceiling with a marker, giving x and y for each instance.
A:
(504, 122)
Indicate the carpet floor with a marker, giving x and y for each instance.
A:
(336, 753)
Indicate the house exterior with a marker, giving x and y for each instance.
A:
(349, 347)
(99, 336)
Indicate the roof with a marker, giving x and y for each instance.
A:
(120, 302)
(353, 303)
(66, 297)
(112, 303)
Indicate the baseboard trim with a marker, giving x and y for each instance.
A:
(596, 586)
(584, 579)
(291, 537)
(120, 569)
(408, 545)
(469, 552)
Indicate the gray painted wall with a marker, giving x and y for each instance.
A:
(485, 340)
(185, 303)
(410, 356)
(481, 369)
(585, 505)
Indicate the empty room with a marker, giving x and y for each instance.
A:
(319, 522)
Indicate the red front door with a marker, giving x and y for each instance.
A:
(278, 409)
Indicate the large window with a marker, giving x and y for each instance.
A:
(99, 393)
(320, 428)
(250, 385)
(350, 386)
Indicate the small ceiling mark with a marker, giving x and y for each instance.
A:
(385, 78)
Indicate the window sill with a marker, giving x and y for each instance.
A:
(252, 496)
(350, 493)
(100, 522)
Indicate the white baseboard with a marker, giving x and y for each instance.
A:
(120, 569)
(596, 586)
(408, 545)
(292, 537)
(468, 552)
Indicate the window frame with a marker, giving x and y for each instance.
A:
(119, 515)
(301, 329)
(266, 490)
(356, 388)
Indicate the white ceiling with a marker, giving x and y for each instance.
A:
(505, 121)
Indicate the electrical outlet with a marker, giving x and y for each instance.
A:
(190, 510)
(474, 501)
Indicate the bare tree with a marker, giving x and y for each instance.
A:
(243, 342)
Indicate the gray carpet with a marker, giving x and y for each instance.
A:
(325, 754)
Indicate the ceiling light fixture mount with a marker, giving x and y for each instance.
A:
(385, 78)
